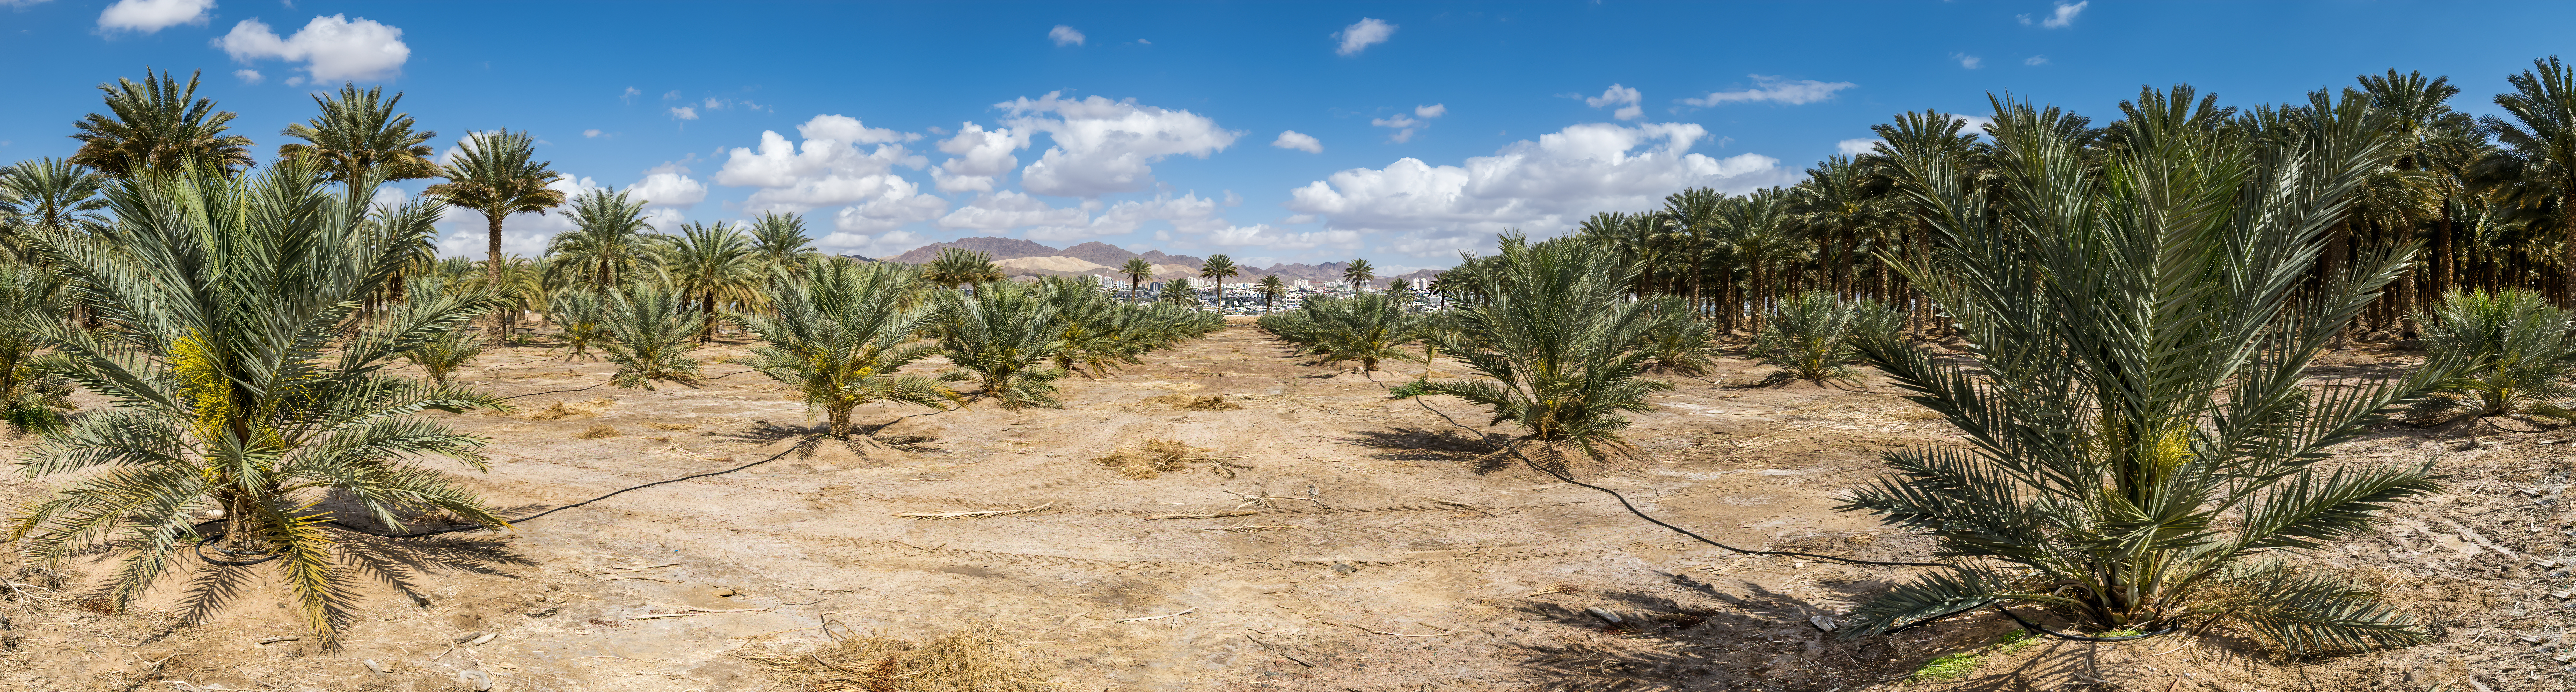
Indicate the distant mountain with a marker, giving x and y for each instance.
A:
(1024, 258)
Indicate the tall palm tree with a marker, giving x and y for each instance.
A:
(1137, 270)
(1921, 133)
(1358, 273)
(48, 193)
(1271, 289)
(2540, 146)
(237, 388)
(158, 125)
(609, 245)
(719, 265)
(2100, 491)
(2418, 114)
(841, 335)
(1689, 223)
(358, 130)
(1218, 268)
(497, 176)
(780, 242)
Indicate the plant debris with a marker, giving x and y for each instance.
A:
(973, 515)
(597, 432)
(980, 658)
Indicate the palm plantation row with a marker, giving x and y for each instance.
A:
(2145, 453)
(245, 324)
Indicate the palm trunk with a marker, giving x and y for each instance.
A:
(840, 415)
(500, 318)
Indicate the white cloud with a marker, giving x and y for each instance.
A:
(1771, 88)
(827, 169)
(1544, 187)
(1263, 236)
(977, 156)
(1976, 124)
(1104, 146)
(248, 76)
(1007, 210)
(883, 245)
(684, 113)
(1968, 61)
(589, 133)
(1856, 147)
(715, 104)
(2035, 60)
(672, 95)
(148, 16)
(2063, 17)
(1406, 125)
(521, 234)
(1358, 37)
(668, 185)
(1292, 139)
(1065, 35)
(629, 96)
(1626, 98)
(332, 48)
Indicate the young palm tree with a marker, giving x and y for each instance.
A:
(48, 193)
(780, 243)
(654, 331)
(2540, 145)
(1370, 328)
(30, 400)
(1272, 289)
(1180, 292)
(1814, 337)
(1006, 337)
(1680, 344)
(609, 247)
(954, 267)
(497, 177)
(1559, 347)
(441, 357)
(1137, 271)
(2138, 374)
(840, 336)
(583, 317)
(719, 266)
(1358, 274)
(2518, 350)
(157, 125)
(1218, 268)
(237, 389)
(359, 130)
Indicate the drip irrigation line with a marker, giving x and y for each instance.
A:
(1632, 509)
(199, 547)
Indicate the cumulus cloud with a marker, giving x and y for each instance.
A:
(521, 234)
(148, 16)
(977, 156)
(1104, 146)
(1968, 61)
(2060, 19)
(1064, 36)
(684, 113)
(586, 134)
(1358, 37)
(1406, 125)
(1626, 98)
(1543, 187)
(629, 96)
(882, 245)
(249, 76)
(2035, 60)
(1771, 88)
(332, 48)
(828, 168)
(1008, 209)
(1856, 147)
(1292, 139)
(668, 185)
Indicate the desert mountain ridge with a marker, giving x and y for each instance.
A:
(1020, 257)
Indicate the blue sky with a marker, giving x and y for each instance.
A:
(1426, 127)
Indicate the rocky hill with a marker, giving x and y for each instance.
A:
(1025, 258)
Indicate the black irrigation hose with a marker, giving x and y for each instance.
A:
(1632, 509)
(199, 547)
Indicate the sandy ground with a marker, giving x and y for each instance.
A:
(1384, 559)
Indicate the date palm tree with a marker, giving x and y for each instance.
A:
(496, 176)
(1271, 289)
(583, 317)
(653, 330)
(609, 247)
(2540, 146)
(1137, 270)
(236, 389)
(158, 124)
(954, 267)
(1813, 335)
(358, 130)
(719, 266)
(2141, 340)
(30, 400)
(1180, 292)
(1218, 268)
(1358, 273)
(780, 242)
(840, 337)
(2518, 349)
(48, 193)
(1005, 337)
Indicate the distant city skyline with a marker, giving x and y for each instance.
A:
(1303, 133)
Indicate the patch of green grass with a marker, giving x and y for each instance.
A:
(1959, 665)
(2120, 633)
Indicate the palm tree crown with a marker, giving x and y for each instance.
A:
(1358, 274)
(1219, 268)
(358, 130)
(497, 176)
(1137, 270)
(156, 125)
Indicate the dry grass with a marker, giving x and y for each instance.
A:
(1193, 403)
(597, 432)
(973, 515)
(980, 658)
(1148, 460)
(670, 426)
(560, 410)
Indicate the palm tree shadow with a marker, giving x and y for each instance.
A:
(1407, 443)
(764, 432)
(1688, 635)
